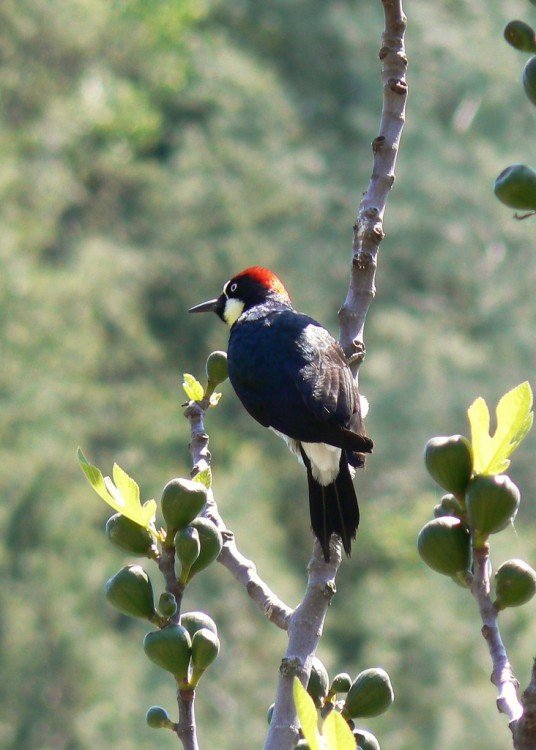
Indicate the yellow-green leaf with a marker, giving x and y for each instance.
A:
(205, 477)
(123, 496)
(192, 387)
(306, 711)
(337, 733)
(514, 420)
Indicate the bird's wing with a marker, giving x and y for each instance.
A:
(326, 383)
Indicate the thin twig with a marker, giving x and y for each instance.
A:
(166, 564)
(186, 727)
(243, 569)
(502, 675)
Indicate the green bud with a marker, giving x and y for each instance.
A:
(444, 544)
(515, 584)
(167, 604)
(158, 718)
(170, 649)
(205, 648)
(341, 684)
(216, 368)
(270, 713)
(448, 506)
(516, 185)
(371, 694)
(521, 36)
(529, 81)
(318, 684)
(302, 745)
(194, 621)
(188, 546)
(492, 503)
(449, 461)
(211, 544)
(182, 501)
(129, 535)
(366, 740)
(131, 592)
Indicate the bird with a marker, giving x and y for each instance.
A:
(292, 376)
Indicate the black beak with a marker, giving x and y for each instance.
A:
(209, 306)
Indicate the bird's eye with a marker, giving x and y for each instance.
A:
(233, 288)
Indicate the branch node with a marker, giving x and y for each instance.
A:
(362, 260)
(378, 143)
(358, 352)
(329, 589)
(291, 666)
(398, 86)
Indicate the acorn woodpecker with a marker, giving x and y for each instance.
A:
(291, 375)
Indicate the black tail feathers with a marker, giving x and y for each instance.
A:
(333, 508)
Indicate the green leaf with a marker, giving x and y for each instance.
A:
(205, 477)
(193, 388)
(306, 711)
(514, 420)
(337, 733)
(123, 496)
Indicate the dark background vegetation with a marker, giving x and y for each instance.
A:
(149, 149)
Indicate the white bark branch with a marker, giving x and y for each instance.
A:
(502, 675)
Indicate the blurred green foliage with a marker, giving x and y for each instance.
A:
(149, 149)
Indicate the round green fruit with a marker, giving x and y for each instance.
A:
(371, 694)
(449, 461)
(448, 506)
(521, 36)
(158, 718)
(515, 584)
(211, 544)
(187, 546)
(318, 684)
(182, 501)
(529, 80)
(167, 604)
(194, 621)
(216, 368)
(129, 535)
(341, 684)
(444, 544)
(205, 648)
(492, 503)
(516, 185)
(366, 740)
(131, 592)
(170, 649)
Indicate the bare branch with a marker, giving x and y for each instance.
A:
(305, 630)
(368, 229)
(524, 730)
(186, 727)
(502, 675)
(239, 566)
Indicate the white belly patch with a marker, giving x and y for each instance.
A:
(324, 461)
(324, 458)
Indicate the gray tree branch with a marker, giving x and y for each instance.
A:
(240, 567)
(368, 229)
(502, 675)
